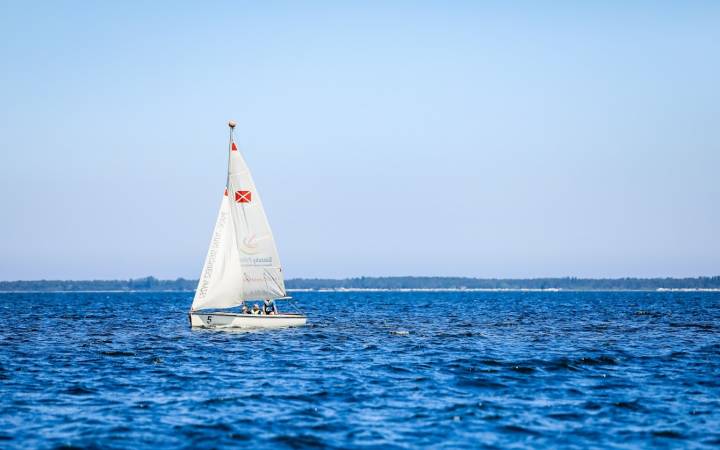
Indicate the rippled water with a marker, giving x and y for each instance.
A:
(372, 370)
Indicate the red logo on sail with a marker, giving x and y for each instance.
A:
(233, 147)
(243, 196)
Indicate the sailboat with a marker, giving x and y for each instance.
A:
(242, 263)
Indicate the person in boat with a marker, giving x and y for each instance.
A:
(269, 307)
(255, 309)
(245, 309)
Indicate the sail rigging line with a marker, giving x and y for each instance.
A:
(292, 303)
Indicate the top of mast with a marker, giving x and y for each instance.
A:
(232, 124)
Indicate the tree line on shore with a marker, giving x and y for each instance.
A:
(566, 283)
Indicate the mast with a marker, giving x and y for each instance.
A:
(231, 124)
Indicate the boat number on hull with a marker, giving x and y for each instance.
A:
(209, 319)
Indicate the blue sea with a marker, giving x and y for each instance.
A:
(372, 370)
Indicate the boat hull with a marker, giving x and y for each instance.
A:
(245, 321)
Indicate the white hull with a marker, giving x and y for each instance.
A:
(248, 321)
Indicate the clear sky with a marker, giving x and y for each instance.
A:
(503, 139)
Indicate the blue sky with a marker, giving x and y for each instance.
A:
(480, 139)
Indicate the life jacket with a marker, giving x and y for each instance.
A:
(269, 308)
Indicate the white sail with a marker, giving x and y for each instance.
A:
(242, 262)
(261, 272)
(220, 284)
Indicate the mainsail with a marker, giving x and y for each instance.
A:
(242, 262)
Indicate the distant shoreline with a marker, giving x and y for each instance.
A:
(387, 284)
(341, 290)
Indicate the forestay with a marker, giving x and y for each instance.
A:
(242, 262)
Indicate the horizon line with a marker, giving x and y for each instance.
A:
(556, 277)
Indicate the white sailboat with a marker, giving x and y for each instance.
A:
(242, 263)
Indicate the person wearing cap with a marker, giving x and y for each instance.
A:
(245, 309)
(255, 309)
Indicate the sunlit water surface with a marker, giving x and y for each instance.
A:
(372, 370)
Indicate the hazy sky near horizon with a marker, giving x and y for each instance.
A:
(488, 139)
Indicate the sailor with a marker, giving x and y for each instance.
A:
(269, 307)
(245, 309)
(255, 309)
